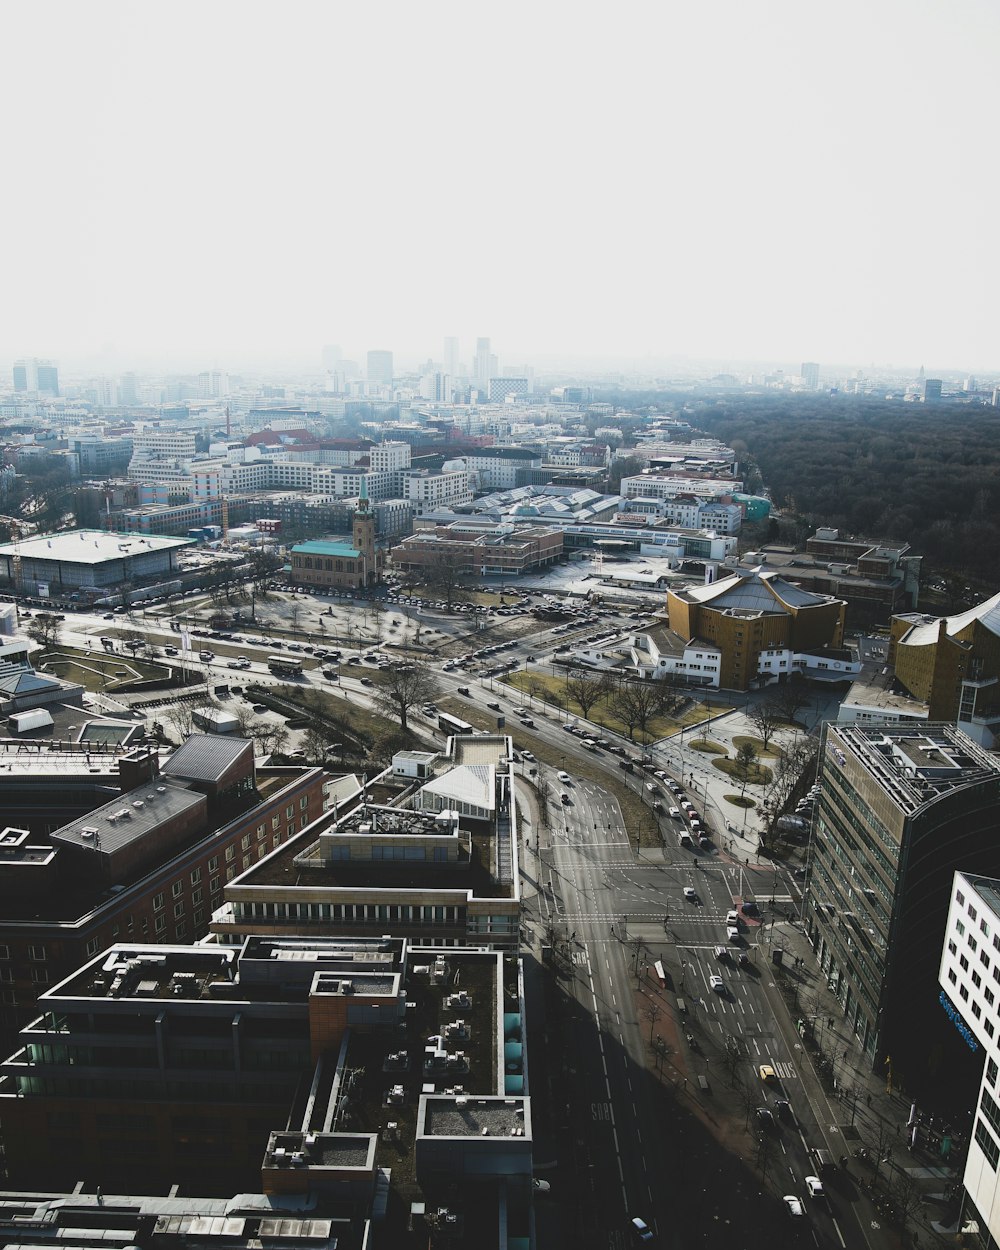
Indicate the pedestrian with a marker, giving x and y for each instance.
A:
(868, 1099)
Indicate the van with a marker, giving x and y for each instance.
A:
(822, 1160)
(686, 840)
(590, 744)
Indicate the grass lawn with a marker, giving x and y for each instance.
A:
(554, 689)
(97, 672)
(758, 775)
(739, 800)
(756, 743)
(709, 747)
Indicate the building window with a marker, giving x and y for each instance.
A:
(972, 912)
(977, 980)
(197, 895)
(93, 946)
(196, 876)
(213, 885)
(959, 926)
(290, 812)
(988, 995)
(991, 1072)
(245, 842)
(973, 944)
(952, 975)
(213, 864)
(261, 830)
(963, 993)
(37, 953)
(40, 976)
(984, 928)
(179, 908)
(977, 1011)
(230, 854)
(4, 951)
(276, 822)
(177, 889)
(965, 963)
(952, 947)
(160, 924)
(988, 1026)
(984, 959)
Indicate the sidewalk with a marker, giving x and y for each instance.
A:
(865, 1112)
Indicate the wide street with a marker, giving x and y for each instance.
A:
(632, 1017)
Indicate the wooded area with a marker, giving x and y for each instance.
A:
(926, 475)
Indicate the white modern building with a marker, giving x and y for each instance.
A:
(970, 997)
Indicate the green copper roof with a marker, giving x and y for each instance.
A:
(320, 547)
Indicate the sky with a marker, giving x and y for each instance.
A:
(218, 184)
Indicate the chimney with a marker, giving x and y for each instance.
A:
(139, 767)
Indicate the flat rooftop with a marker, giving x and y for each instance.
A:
(91, 546)
(130, 817)
(915, 763)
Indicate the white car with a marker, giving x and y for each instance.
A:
(641, 1230)
(793, 1205)
(675, 812)
(691, 893)
(732, 917)
(717, 984)
(563, 776)
(528, 756)
(815, 1187)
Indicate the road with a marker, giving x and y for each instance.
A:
(634, 1125)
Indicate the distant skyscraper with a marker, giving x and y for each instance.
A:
(932, 390)
(809, 373)
(483, 363)
(380, 367)
(331, 356)
(212, 384)
(41, 376)
(508, 390)
(451, 356)
(126, 389)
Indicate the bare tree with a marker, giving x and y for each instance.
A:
(651, 1011)
(637, 703)
(736, 1052)
(765, 718)
(45, 629)
(377, 610)
(746, 763)
(791, 763)
(263, 565)
(445, 576)
(585, 691)
(402, 687)
(790, 699)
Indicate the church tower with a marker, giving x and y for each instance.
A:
(364, 537)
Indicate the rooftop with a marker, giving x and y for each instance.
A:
(926, 628)
(90, 546)
(129, 817)
(324, 547)
(915, 763)
(207, 757)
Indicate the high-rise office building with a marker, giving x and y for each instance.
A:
(483, 371)
(127, 390)
(40, 376)
(380, 367)
(970, 983)
(451, 356)
(931, 390)
(901, 807)
(809, 373)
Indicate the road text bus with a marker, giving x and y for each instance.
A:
(284, 666)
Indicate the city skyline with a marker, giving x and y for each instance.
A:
(707, 184)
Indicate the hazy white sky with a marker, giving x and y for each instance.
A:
(217, 182)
